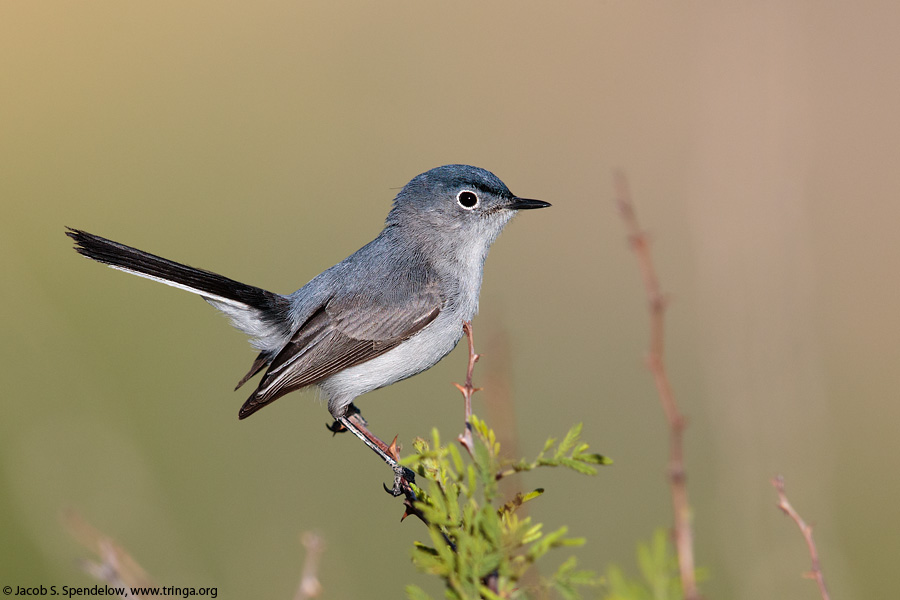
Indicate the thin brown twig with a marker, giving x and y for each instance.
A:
(806, 530)
(468, 389)
(490, 580)
(309, 586)
(465, 438)
(116, 567)
(683, 533)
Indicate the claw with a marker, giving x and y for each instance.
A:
(403, 478)
(335, 428)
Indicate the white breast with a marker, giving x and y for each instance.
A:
(420, 352)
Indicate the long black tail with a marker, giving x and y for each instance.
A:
(261, 314)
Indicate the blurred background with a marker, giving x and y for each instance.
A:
(265, 141)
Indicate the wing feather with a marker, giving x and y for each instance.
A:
(342, 333)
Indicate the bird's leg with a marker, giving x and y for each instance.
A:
(403, 477)
(336, 427)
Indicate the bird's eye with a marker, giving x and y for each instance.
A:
(467, 199)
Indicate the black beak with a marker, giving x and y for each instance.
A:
(525, 204)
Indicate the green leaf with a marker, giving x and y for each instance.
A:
(575, 465)
(487, 594)
(458, 465)
(520, 499)
(414, 592)
(596, 459)
(569, 441)
(567, 580)
(548, 444)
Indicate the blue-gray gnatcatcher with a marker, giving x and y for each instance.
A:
(389, 311)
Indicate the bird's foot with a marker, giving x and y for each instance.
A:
(337, 427)
(403, 483)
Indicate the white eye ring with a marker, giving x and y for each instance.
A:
(467, 199)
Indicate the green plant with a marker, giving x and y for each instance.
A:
(481, 546)
(659, 571)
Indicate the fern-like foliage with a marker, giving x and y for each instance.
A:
(479, 545)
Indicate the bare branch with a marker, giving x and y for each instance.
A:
(468, 389)
(116, 567)
(806, 530)
(640, 245)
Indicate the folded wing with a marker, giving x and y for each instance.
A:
(342, 333)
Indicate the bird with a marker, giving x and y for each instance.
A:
(390, 310)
